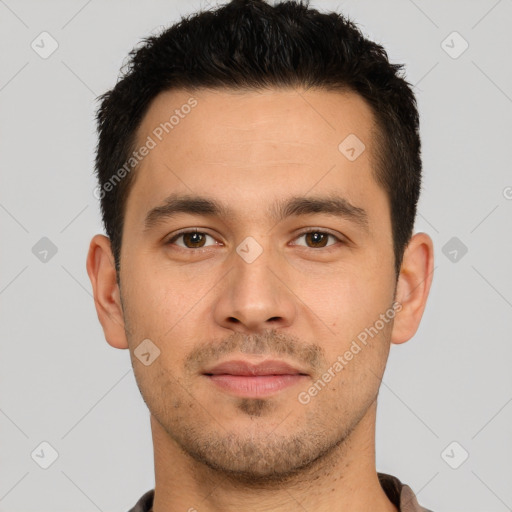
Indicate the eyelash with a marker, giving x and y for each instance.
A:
(320, 231)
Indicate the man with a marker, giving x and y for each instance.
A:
(259, 170)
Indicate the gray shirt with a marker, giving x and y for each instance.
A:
(399, 494)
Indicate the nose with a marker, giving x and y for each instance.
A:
(255, 296)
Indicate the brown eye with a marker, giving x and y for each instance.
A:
(191, 239)
(317, 239)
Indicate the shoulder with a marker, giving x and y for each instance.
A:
(145, 502)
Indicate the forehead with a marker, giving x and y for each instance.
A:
(250, 147)
(292, 118)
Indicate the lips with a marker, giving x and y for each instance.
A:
(254, 380)
(269, 367)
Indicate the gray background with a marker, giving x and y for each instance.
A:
(63, 384)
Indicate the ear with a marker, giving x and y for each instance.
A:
(107, 297)
(413, 286)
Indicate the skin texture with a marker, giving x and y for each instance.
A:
(300, 301)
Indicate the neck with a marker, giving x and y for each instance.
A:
(345, 479)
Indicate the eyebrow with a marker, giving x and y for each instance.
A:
(282, 209)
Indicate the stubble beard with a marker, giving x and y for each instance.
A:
(259, 457)
(262, 455)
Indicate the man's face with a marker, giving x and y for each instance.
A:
(251, 286)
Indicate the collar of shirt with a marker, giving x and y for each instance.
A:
(401, 495)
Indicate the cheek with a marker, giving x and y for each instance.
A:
(156, 294)
(167, 308)
(345, 304)
(332, 294)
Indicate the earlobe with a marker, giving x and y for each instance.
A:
(413, 286)
(107, 299)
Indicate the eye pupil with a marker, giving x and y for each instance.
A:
(317, 239)
(196, 239)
